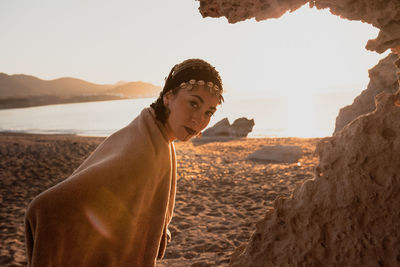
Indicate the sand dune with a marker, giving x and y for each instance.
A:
(221, 194)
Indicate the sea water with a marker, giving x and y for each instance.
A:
(273, 116)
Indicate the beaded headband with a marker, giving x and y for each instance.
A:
(191, 84)
(191, 72)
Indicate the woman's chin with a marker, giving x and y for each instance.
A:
(186, 138)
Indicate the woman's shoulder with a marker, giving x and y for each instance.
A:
(146, 129)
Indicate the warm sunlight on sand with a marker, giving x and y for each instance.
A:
(220, 192)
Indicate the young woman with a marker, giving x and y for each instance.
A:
(114, 210)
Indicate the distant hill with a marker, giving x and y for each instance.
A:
(24, 90)
(21, 85)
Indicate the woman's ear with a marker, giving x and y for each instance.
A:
(166, 98)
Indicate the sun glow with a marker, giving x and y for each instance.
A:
(301, 116)
(320, 56)
(301, 54)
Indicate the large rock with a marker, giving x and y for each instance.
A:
(240, 128)
(348, 215)
(383, 14)
(383, 78)
(277, 154)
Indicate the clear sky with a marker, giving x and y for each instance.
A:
(108, 41)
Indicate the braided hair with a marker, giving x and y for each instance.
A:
(190, 69)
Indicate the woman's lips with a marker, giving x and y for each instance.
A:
(190, 130)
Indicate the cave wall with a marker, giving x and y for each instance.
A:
(383, 78)
(349, 213)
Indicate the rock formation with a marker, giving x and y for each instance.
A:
(240, 128)
(277, 154)
(383, 14)
(382, 78)
(349, 213)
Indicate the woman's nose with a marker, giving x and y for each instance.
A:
(197, 118)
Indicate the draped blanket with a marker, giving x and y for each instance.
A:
(114, 210)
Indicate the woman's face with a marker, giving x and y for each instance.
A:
(190, 112)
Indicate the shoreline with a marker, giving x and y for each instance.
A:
(202, 140)
(220, 193)
(37, 101)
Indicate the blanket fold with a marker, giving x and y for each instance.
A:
(114, 209)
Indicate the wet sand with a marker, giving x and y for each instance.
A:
(220, 193)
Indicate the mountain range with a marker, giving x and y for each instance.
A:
(22, 90)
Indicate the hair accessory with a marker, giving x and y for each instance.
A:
(192, 84)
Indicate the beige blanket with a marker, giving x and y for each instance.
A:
(115, 208)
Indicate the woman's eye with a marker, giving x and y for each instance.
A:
(193, 104)
(209, 113)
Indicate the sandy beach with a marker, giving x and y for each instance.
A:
(220, 193)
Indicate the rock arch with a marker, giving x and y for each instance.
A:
(349, 213)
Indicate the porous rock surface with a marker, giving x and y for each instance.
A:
(383, 14)
(349, 214)
(383, 78)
